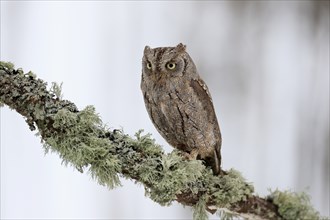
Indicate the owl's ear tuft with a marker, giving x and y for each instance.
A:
(180, 47)
(146, 49)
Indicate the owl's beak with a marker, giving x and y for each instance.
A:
(161, 76)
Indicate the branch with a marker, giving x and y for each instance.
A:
(83, 141)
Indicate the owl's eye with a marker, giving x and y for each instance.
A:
(149, 65)
(171, 66)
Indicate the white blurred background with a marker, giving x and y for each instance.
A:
(266, 64)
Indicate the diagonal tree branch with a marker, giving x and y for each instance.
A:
(81, 140)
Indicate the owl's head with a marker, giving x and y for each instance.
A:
(166, 61)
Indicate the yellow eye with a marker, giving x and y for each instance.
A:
(149, 65)
(171, 66)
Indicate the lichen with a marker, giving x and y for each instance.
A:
(200, 209)
(226, 214)
(6, 65)
(293, 205)
(229, 188)
(76, 139)
(56, 90)
(176, 175)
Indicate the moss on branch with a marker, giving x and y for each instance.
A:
(83, 141)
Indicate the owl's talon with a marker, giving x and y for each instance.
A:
(189, 156)
(184, 155)
(193, 155)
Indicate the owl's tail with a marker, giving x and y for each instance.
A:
(217, 165)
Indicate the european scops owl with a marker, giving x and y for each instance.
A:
(179, 104)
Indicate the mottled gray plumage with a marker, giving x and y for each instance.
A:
(179, 104)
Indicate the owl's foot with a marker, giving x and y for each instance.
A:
(184, 155)
(189, 156)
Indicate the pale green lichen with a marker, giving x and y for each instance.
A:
(165, 174)
(77, 141)
(7, 65)
(28, 74)
(226, 214)
(229, 188)
(292, 205)
(200, 209)
(56, 89)
(176, 175)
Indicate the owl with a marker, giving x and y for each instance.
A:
(179, 104)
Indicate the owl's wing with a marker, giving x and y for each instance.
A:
(200, 88)
(202, 92)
